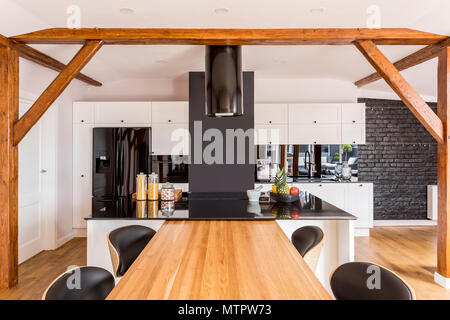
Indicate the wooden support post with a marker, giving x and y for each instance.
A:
(402, 88)
(54, 90)
(9, 110)
(443, 246)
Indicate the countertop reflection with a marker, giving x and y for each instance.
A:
(222, 207)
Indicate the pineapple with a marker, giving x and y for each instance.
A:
(280, 182)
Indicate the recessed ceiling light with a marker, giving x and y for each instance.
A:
(221, 10)
(162, 61)
(126, 11)
(317, 10)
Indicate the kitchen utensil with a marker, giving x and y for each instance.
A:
(253, 195)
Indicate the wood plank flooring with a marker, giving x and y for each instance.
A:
(409, 251)
(38, 272)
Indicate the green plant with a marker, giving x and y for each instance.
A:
(336, 156)
(347, 148)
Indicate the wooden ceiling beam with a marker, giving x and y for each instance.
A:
(31, 54)
(402, 88)
(409, 61)
(121, 36)
(54, 90)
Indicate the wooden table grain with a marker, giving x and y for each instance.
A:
(190, 260)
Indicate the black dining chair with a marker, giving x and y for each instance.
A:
(81, 283)
(368, 281)
(308, 241)
(125, 245)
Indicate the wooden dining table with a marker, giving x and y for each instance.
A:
(223, 260)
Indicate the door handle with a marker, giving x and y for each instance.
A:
(43, 171)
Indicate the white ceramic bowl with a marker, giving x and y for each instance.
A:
(253, 195)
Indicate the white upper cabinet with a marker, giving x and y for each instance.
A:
(354, 113)
(320, 113)
(123, 112)
(354, 133)
(315, 134)
(170, 112)
(271, 113)
(170, 139)
(83, 112)
(271, 134)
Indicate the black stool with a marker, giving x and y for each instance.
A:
(125, 245)
(356, 281)
(82, 283)
(309, 242)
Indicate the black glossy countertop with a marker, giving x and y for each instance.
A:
(223, 206)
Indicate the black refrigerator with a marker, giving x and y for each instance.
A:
(119, 154)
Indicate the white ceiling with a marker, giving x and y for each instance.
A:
(340, 62)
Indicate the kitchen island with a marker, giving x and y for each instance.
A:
(338, 225)
(219, 260)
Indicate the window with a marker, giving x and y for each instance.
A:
(298, 157)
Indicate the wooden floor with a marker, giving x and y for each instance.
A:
(409, 251)
(38, 272)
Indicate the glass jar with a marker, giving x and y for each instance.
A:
(167, 192)
(167, 208)
(346, 172)
(338, 170)
(141, 187)
(152, 186)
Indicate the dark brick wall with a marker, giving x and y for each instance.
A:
(399, 157)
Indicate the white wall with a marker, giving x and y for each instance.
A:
(266, 90)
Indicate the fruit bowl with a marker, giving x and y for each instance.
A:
(285, 199)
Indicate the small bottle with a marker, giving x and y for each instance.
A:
(141, 187)
(152, 189)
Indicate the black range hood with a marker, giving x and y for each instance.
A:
(223, 81)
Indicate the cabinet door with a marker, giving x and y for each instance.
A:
(83, 112)
(271, 113)
(354, 113)
(322, 113)
(333, 193)
(170, 112)
(354, 133)
(122, 112)
(82, 174)
(170, 139)
(271, 134)
(360, 203)
(315, 134)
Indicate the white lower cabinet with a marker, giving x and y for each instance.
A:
(82, 174)
(170, 139)
(360, 204)
(355, 198)
(333, 193)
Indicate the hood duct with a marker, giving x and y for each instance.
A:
(223, 81)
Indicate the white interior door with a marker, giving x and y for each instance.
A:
(36, 188)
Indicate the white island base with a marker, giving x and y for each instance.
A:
(338, 245)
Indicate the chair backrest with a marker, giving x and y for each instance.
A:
(81, 283)
(368, 281)
(125, 245)
(308, 241)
